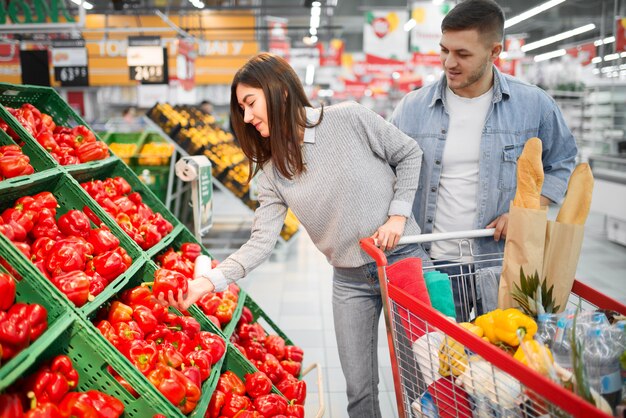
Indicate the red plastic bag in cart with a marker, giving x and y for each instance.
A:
(407, 274)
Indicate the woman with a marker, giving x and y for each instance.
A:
(333, 167)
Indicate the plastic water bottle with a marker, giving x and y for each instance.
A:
(546, 328)
(602, 364)
(619, 330)
(561, 345)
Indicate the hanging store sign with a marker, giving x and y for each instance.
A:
(383, 34)
(426, 33)
(69, 59)
(34, 11)
(147, 60)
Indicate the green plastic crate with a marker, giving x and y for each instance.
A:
(71, 196)
(39, 159)
(30, 291)
(146, 274)
(47, 100)
(115, 167)
(133, 138)
(184, 235)
(144, 158)
(90, 357)
(260, 316)
(155, 178)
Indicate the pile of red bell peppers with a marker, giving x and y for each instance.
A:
(170, 350)
(218, 307)
(250, 398)
(137, 219)
(78, 260)
(20, 323)
(49, 393)
(13, 162)
(66, 145)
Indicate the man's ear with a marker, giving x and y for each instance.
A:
(496, 50)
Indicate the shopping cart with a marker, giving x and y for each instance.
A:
(489, 382)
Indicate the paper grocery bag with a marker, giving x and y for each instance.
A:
(562, 250)
(524, 248)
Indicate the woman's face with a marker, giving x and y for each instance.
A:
(252, 102)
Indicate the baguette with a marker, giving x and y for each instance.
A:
(529, 176)
(575, 208)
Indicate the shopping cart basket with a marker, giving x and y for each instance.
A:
(492, 383)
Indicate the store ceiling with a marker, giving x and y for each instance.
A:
(344, 18)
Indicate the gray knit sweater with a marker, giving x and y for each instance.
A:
(348, 190)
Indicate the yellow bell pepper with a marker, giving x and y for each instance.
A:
(509, 321)
(487, 323)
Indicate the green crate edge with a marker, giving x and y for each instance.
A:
(258, 312)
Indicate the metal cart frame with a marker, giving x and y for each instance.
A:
(403, 313)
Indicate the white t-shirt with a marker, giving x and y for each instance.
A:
(458, 185)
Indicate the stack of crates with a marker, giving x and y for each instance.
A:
(71, 329)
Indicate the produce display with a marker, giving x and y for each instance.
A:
(67, 145)
(137, 219)
(196, 132)
(81, 333)
(51, 392)
(13, 162)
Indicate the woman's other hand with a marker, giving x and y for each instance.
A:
(388, 235)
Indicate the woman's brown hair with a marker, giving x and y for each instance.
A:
(285, 99)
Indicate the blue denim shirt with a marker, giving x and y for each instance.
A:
(518, 112)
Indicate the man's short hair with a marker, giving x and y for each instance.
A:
(485, 16)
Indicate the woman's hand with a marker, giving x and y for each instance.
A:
(387, 235)
(195, 290)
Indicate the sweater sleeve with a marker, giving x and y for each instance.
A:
(400, 151)
(268, 221)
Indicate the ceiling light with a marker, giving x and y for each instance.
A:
(315, 21)
(316, 4)
(313, 31)
(315, 11)
(310, 75)
(596, 60)
(611, 57)
(532, 12)
(550, 55)
(410, 24)
(556, 38)
(87, 5)
(607, 40)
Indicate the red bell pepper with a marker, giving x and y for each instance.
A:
(159, 335)
(119, 312)
(15, 165)
(48, 141)
(295, 410)
(102, 240)
(65, 256)
(270, 405)
(127, 386)
(272, 368)
(107, 330)
(97, 283)
(14, 334)
(209, 303)
(202, 360)
(293, 352)
(11, 406)
(225, 310)
(36, 316)
(257, 384)
(119, 184)
(144, 318)
(92, 151)
(74, 285)
(109, 264)
(163, 225)
(44, 410)
(291, 367)
(214, 344)
(47, 123)
(253, 331)
(106, 405)
(7, 291)
(172, 260)
(45, 200)
(168, 280)
(255, 350)
(215, 404)
(41, 247)
(187, 324)
(82, 135)
(234, 403)
(190, 250)
(79, 405)
(127, 333)
(46, 227)
(293, 389)
(143, 355)
(275, 345)
(47, 386)
(181, 342)
(229, 382)
(176, 387)
(139, 295)
(74, 223)
(193, 373)
(62, 364)
(170, 356)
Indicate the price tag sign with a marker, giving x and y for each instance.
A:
(197, 170)
(147, 60)
(69, 59)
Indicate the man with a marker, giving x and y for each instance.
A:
(472, 126)
(206, 107)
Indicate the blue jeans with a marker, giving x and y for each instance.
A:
(357, 305)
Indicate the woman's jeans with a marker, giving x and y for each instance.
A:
(356, 310)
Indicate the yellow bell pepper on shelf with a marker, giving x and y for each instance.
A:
(502, 326)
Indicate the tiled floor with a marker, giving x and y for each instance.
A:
(295, 291)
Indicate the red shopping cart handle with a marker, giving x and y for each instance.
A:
(367, 244)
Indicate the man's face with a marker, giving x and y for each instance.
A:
(467, 61)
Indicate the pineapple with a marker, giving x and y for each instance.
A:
(533, 295)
